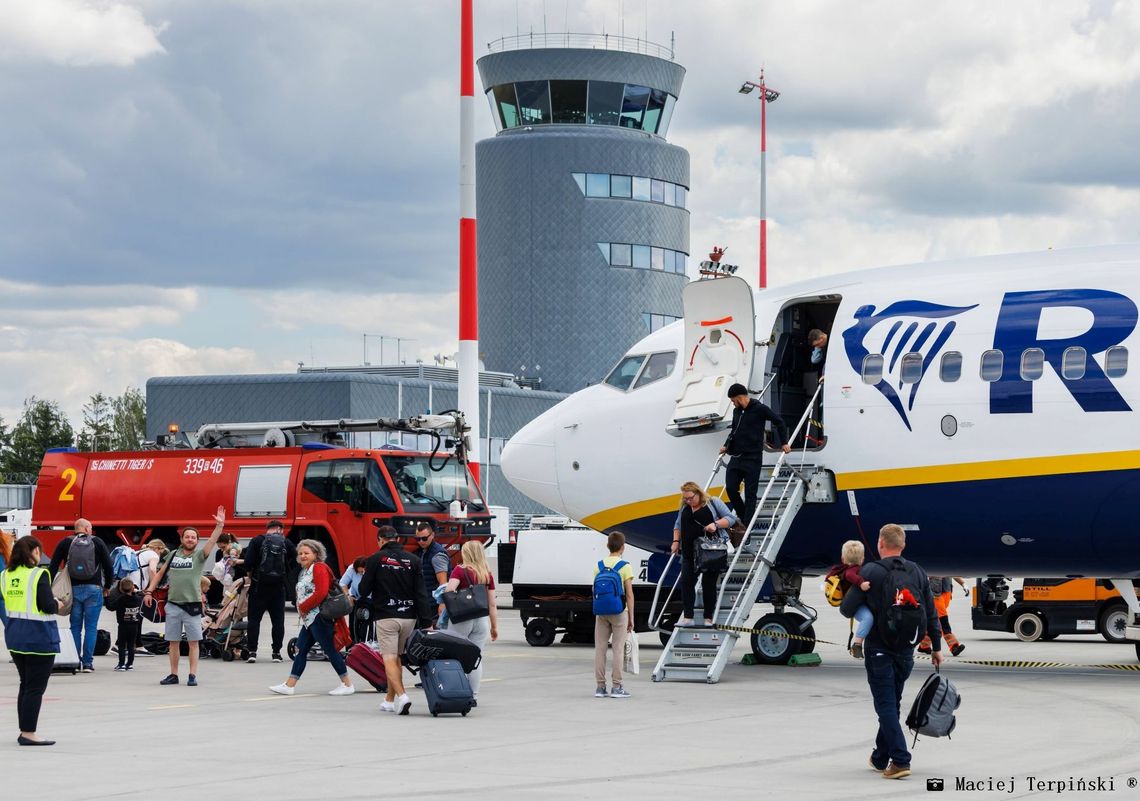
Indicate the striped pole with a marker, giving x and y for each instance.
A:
(468, 269)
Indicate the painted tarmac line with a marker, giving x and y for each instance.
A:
(276, 697)
(172, 706)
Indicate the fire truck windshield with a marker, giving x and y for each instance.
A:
(425, 490)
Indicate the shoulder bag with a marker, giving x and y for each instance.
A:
(467, 604)
(61, 589)
(335, 605)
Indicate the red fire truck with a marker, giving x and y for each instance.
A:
(301, 473)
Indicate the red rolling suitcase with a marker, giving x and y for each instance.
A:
(367, 662)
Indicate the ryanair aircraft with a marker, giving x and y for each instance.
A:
(984, 404)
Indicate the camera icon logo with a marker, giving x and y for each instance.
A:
(935, 785)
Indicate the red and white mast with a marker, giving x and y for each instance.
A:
(468, 271)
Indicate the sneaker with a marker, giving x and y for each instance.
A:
(686, 621)
(925, 650)
(601, 692)
(343, 689)
(403, 704)
(896, 771)
(129, 667)
(171, 679)
(276, 657)
(120, 667)
(251, 658)
(619, 692)
(87, 669)
(387, 706)
(871, 764)
(857, 650)
(282, 689)
(192, 681)
(709, 623)
(957, 649)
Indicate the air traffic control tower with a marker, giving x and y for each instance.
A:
(583, 240)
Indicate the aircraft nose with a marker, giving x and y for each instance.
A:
(528, 462)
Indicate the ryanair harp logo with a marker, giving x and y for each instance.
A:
(906, 326)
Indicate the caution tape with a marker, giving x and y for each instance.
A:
(1004, 663)
(777, 633)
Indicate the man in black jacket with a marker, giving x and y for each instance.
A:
(889, 663)
(745, 444)
(268, 561)
(393, 583)
(91, 575)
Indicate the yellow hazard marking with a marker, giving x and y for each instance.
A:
(777, 633)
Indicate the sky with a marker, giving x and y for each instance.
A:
(242, 185)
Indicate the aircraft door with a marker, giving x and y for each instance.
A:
(720, 342)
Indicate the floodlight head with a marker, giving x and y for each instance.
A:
(746, 88)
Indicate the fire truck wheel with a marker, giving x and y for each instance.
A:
(1029, 626)
(540, 632)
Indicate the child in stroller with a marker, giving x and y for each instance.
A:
(224, 628)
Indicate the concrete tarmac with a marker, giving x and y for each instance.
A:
(762, 732)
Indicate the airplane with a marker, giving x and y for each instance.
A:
(985, 404)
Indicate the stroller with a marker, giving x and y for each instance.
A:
(224, 629)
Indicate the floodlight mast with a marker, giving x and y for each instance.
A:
(767, 96)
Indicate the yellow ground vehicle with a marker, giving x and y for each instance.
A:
(1046, 608)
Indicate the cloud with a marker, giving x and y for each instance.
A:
(76, 33)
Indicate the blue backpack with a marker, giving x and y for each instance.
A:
(124, 561)
(609, 592)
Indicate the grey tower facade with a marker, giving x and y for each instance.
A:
(583, 239)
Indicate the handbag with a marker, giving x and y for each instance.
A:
(467, 604)
(712, 554)
(61, 589)
(335, 605)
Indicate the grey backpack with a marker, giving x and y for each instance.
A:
(932, 712)
(82, 563)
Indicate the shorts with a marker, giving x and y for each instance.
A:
(392, 634)
(178, 621)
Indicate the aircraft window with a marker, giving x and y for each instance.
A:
(872, 368)
(911, 370)
(659, 366)
(992, 362)
(621, 377)
(1116, 361)
(1032, 364)
(1073, 362)
(951, 369)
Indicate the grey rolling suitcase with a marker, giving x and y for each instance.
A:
(446, 687)
(67, 660)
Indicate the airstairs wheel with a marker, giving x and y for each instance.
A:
(773, 648)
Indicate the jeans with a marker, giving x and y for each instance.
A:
(318, 632)
(864, 619)
(267, 596)
(34, 670)
(887, 672)
(477, 631)
(86, 604)
(709, 583)
(746, 470)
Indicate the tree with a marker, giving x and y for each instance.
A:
(128, 420)
(42, 425)
(98, 424)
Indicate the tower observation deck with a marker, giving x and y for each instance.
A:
(583, 236)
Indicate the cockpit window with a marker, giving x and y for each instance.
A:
(659, 366)
(621, 377)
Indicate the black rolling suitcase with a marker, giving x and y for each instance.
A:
(446, 687)
(425, 645)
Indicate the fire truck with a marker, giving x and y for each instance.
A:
(301, 473)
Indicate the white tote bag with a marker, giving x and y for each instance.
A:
(631, 661)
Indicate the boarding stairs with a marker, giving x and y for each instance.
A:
(699, 652)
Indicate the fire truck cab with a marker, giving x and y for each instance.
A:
(301, 473)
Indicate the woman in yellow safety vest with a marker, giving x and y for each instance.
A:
(27, 609)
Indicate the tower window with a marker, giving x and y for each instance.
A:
(604, 102)
(534, 102)
(568, 102)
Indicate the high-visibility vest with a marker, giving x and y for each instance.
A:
(18, 586)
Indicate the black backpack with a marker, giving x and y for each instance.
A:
(272, 557)
(901, 616)
(82, 563)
